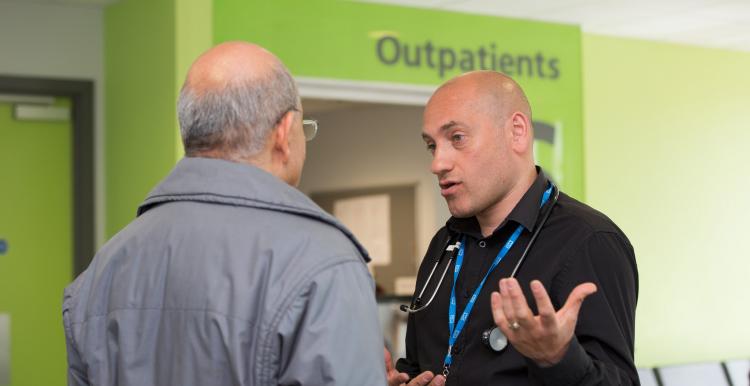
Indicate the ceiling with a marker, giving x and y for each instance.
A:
(81, 3)
(710, 23)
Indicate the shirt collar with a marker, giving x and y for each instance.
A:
(524, 213)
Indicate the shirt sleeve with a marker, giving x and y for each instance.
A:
(331, 335)
(601, 352)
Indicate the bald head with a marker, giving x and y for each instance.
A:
(487, 104)
(491, 92)
(477, 127)
(233, 96)
(230, 63)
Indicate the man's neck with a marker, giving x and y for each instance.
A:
(261, 161)
(491, 218)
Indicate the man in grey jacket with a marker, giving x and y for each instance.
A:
(228, 275)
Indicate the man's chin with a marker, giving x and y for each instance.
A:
(460, 213)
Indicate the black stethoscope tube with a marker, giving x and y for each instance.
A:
(536, 232)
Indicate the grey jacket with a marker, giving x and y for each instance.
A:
(228, 276)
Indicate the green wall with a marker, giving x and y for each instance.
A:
(148, 48)
(140, 93)
(665, 145)
(194, 35)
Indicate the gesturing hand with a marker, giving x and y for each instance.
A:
(398, 379)
(543, 338)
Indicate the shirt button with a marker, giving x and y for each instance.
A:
(482, 244)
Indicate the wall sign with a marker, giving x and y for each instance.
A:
(358, 41)
(444, 59)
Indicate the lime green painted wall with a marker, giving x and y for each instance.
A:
(149, 46)
(140, 96)
(339, 40)
(36, 220)
(194, 35)
(667, 130)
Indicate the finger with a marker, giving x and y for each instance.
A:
(521, 309)
(573, 304)
(506, 303)
(395, 378)
(422, 379)
(439, 380)
(501, 321)
(388, 360)
(543, 304)
(496, 303)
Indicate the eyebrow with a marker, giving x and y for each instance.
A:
(443, 128)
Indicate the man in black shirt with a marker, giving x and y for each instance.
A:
(478, 128)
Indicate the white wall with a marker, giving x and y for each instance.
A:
(371, 146)
(58, 41)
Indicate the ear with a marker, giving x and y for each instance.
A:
(521, 132)
(281, 136)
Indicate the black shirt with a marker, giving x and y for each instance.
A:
(576, 245)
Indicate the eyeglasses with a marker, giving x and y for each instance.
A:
(310, 127)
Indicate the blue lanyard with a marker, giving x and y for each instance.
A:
(453, 328)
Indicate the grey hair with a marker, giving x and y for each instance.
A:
(235, 120)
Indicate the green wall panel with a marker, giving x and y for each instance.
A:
(141, 97)
(666, 142)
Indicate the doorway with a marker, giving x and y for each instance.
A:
(46, 221)
(35, 226)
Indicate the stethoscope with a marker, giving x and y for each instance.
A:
(492, 337)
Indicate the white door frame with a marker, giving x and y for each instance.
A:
(364, 91)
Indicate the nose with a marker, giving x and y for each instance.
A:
(441, 162)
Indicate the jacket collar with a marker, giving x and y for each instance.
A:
(230, 183)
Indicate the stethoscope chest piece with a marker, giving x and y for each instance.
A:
(494, 339)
